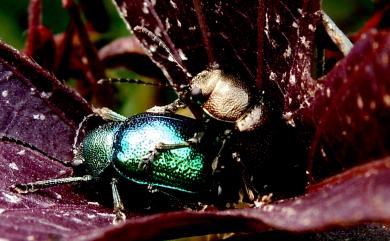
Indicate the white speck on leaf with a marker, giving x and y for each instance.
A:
(359, 101)
(145, 8)
(46, 95)
(39, 116)
(4, 93)
(11, 197)
(13, 166)
(91, 216)
(292, 80)
(287, 52)
(386, 100)
(173, 4)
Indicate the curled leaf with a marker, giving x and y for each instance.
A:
(351, 112)
(359, 195)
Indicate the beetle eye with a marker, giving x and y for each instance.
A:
(196, 91)
(197, 95)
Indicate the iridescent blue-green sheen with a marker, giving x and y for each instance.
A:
(183, 169)
(97, 148)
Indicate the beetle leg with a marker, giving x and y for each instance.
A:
(155, 153)
(248, 188)
(175, 201)
(108, 114)
(118, 205)
(38, 185)
(337, 36)
(225, 138)
(170, 108)
(254, 118)
(174, 56)
(214, 163)
(160, 147)
(148, 159)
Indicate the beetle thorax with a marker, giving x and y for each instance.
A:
(98, 147)
(226, 98)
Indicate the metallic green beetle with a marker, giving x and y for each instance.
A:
(152, 149)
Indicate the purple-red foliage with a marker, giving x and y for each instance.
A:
(343, 116)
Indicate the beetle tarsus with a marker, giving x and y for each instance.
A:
(148, 159)
(160, 147)
(170, 108)
(108, 114)
(248, 188)
(23, 188)
(120, 216)
(226, 136)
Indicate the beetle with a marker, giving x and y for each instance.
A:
(224, 96)
(158, 150)
(221, 95)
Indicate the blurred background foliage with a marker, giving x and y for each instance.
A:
(13, 17)
(131, 98)
(348, 14)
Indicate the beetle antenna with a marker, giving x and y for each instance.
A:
(30, 146)
(76, 137)
(161, 44)
(131, 81)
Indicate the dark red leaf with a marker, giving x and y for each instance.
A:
(289, 30)
(38, 120)
(357, 196)
(363, 232)
(54, 213)
(39, 117)
(351, 112)
(37, 108)
(129, 53)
